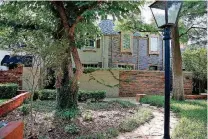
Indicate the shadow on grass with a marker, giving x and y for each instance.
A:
(192, 113)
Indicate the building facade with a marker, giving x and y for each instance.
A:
(137, 51)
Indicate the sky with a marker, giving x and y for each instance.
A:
(146, 13)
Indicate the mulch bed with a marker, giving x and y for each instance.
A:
(47, 125)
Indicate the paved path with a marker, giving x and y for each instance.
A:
(153, 129)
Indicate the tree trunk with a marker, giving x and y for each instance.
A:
(66, 95)
(67, 84)
(178, 85)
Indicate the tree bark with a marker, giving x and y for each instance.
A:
(68, 83)
(178, 85)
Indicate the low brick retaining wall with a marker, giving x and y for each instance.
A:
(13, 103)
(12, 76)
(147, 82)
(13, 130)
(196, 96)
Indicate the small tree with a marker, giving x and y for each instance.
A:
(61, 19)
(195, 60)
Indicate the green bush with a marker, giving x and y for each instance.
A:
(47, 94)
(8, 91)
(25, 109)
(87, 116)
(72, 129)
(123, 103)
(36, 95)
(68, 113)
(96, 96)
(110, 105)
(112, 132)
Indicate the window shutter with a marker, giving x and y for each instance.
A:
(98, 43)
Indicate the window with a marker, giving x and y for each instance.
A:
(123, 66)
(152, 67)
(126, 42)
(90, 65)
(90, 44)
(153, 45)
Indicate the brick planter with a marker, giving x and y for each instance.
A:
(13, 130)
(13, 103)
(196, 96)
(139, 96)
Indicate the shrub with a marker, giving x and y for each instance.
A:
(112, 132)
(47, 94)
(25, 109)
(26, 101)
(87, 116)
(96, 96)
(72, 129)
(68, 113)
(36, 95)
(110, 105)
(83, 95)
(8, 91)
(123, 103)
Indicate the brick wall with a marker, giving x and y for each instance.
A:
(140, 57)
(12, 76)
(147, 82)
(13, 103)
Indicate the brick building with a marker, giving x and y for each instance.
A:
(138, 51)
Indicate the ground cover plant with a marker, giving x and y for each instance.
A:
(2, 101)
(103, 120)
(192, 114)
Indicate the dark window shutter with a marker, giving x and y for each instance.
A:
(98, 43)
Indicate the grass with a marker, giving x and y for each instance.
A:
(193, 116)
(3, 100)
(140, 117)
(110, 133)
(109, 105)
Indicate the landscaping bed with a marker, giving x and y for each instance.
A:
(101, 120)
(192, 114)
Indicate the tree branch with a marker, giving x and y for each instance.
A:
(192, 27)
(23, 26)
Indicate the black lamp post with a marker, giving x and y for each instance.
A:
(166, 15)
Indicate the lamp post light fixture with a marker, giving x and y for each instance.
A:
(166, 15)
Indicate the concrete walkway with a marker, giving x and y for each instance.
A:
(154, 128)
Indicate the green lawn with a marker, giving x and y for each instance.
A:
(2, 100)
(192, 114)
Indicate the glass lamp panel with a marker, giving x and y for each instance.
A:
(173, 10)
(158, 11)
(159, 15)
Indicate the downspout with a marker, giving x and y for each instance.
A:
(103, 50)
(111, 52)
(138, 54)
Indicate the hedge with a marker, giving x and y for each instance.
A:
(92, 95)
(47, 94)
(50, 94)
(8, 91)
